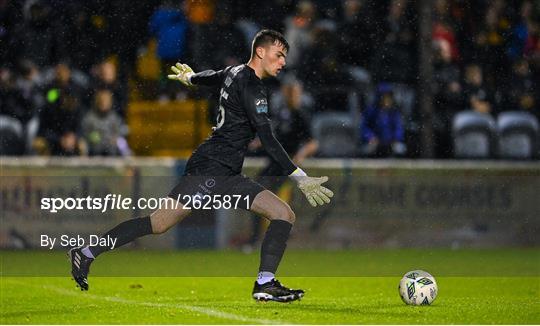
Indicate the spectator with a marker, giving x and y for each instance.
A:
(11, 133)
(523, 92)
(101, 127)
(86, 36)
(291, 96)
(10, 15)
(225, 41)
(446, 96)
(278, 11)
(20, 100)
(105, 77)
(462, 19)
(220, 42)
(201, 16)
(490, 46)
(12, 101)
(476, 95)
(532, 45)
(290, 109)
(60, 117)
(127, 31)
(395, 59)
(520, 32)
(322, 71)
(382, 133)
(298, 32)
(37, 36)
(28, 86)
(531, 50)
(443, 29)
(356, 33)
(169, 25)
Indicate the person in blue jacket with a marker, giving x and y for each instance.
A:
(381, 126)
(169, 26)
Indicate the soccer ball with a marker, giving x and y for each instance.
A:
(418, 288)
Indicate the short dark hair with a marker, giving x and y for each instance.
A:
(268, 36)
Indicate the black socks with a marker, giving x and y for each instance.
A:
(274, 244)
(125, 232)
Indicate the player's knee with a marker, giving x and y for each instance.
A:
(159, 225)
(291, 217)
(159, 228)
(164, 219)
(283, 212)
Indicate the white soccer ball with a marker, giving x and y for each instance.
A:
(418, 288)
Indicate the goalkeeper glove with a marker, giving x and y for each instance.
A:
(183, 73)
(312, 189)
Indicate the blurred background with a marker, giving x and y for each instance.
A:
(426, 113)
(89, 77)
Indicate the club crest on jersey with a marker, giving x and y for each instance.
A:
(261, 105)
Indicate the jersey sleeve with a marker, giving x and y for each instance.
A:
(209, 77)
(256, 103)
(255, 100)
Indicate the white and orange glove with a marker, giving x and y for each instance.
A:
(312, 188)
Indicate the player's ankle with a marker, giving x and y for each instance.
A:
(265, 277)
(86, 251)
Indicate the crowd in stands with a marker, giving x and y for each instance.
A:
(65, 65)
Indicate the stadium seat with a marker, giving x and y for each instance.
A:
(11, 136)
(518, 135)
(32, 128)
(473, 135)
(336, 133)
(172, 129)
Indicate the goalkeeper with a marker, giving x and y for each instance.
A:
(214, 168)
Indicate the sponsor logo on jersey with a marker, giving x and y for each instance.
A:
(210, 183)
(261, 105)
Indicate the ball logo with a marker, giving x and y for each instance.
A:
(424, 281)
(410, 290)
(210, 183)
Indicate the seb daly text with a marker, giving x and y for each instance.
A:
(69, 241)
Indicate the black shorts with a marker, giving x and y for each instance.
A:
(210, 180)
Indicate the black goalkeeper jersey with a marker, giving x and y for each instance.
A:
(242, 113)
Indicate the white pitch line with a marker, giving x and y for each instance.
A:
(202, 310)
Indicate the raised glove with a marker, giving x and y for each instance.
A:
(183, 73)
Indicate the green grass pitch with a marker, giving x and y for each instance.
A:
(213, 287)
